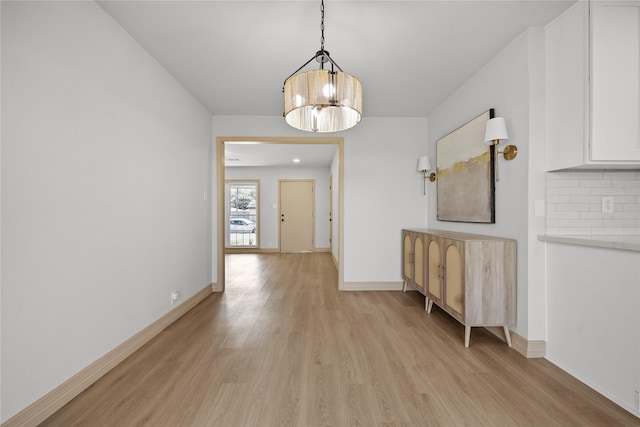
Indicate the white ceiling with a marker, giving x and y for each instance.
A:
(409, 55)
(310, 155)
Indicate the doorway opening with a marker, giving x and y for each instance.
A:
(333, 216)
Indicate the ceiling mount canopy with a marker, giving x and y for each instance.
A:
(322, 100)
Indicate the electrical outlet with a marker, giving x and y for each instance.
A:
(607, 204)
(174, 296)
(637, 398)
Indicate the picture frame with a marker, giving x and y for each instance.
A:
(465, 172)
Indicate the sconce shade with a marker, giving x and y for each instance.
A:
(424, 164)
(322, 101)
(496, 130)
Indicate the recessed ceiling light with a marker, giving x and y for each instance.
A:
(296, 160)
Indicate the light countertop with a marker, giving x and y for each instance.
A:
(627, 243)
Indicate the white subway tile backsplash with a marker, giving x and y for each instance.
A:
(626, 175)
(563, 215)
(625, 183)
(564, 183)
(582, 223)
(558, 199)
(626, 215)
(593, 183)
(572, 207)
(626, 200)
(572, 191)
(604, 231)
(585, 199)
(621, 223)
(595, 215)
(574, 202)
(572, 232)
(608, 191)
(556, 223)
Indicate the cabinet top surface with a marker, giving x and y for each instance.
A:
(457, 235)
(628, 243)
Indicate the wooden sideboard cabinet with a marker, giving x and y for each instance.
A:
(471, 277)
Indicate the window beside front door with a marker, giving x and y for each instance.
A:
(242, 213)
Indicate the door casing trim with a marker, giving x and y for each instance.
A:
(220, 178)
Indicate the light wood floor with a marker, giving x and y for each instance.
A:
(281, 346)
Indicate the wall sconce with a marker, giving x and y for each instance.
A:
(495, 131)
(424, 166)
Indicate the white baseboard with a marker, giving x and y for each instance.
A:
(580, 377)
(529, 349)
(47, 405)
(372, 286)
(267, 250)
(251, 250)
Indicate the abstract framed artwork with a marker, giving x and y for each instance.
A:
(464, 165)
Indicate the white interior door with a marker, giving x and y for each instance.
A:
(296, 216)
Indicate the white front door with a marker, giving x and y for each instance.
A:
(296, 216)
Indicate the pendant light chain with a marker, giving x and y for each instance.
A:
(322, 25)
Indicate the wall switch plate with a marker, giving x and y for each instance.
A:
(607, 204)
(539, 208)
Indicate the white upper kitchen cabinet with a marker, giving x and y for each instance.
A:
(593, 86)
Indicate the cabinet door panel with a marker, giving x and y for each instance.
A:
(615, 98)
(406, 256)
(418, 262)
(566, 88)
(454, 279)
(435, 284)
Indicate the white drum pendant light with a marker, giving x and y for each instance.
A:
(322, 100)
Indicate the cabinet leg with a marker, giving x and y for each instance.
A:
(404, 286)
(507, 335)
(467, 335)
(429, 305)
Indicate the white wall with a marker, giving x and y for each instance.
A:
(382, 188)
(594, 323)
(335, 176)
(503, 84)
(383, 195)
(269, 190)
(536, 290)
(105, 159)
